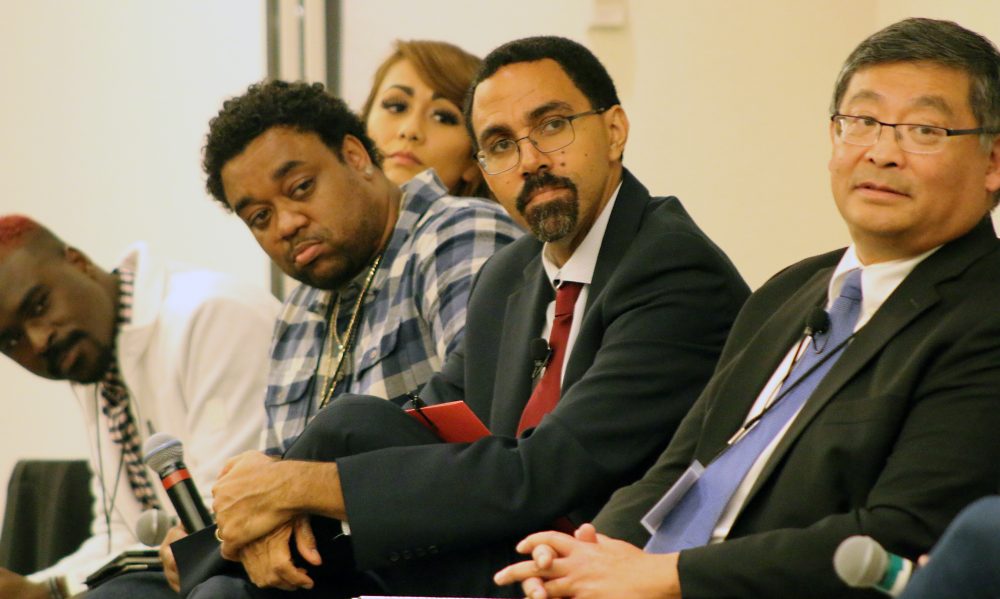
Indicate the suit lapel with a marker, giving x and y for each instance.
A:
(867, 343)
(626, 218)
(916, 294)
(523, 321)
(623, 225)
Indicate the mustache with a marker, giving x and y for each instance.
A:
(542, 180)
(54, 354)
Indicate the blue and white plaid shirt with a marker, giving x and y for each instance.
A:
(413, 315)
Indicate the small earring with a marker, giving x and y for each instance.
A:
(369, 170)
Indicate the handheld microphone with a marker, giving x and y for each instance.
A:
(152, 527)
(164, 454)
(818, 321)
(862, 563)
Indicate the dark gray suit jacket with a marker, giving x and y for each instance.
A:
(659, 309)
(900, 435)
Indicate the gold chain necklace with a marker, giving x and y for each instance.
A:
(344, 346)
(333, 320)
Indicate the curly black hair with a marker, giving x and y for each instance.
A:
(302, 106)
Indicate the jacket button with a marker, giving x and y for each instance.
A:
(433, 550)
(393, 557)
(407, 554)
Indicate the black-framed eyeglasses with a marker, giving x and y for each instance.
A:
(552, 134)
(911, 137)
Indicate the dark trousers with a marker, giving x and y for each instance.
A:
(147, 585)
(152, 585)
(348, 426)
(965, 563)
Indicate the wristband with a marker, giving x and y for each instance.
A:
(57, 588)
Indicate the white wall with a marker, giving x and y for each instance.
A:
(104, 108)
(728, 102)
(368, 29)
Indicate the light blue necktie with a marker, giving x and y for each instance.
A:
(691, 522)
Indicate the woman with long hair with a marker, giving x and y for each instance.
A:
(414, 115)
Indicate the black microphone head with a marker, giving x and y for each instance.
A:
(818, 321)
(860, 561)
(538, 349)
(152, 527)
(161, 450)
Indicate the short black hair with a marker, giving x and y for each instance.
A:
(579, 64)
(305, 107)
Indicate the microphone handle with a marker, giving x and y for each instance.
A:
(185, 497)
(190, 508)
(897, 575)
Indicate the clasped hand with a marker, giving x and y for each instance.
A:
(260, 502)
(247, 501)
(590, 565)
(268, 561)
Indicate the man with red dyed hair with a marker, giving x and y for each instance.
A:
(83, 353)
(148, 346)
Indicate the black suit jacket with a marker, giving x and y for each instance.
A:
(896, 439)
(660, 306)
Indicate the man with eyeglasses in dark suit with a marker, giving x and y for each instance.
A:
(880, 418)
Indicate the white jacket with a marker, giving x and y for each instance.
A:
(195, 360)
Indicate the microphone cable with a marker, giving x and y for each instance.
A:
(107, 506)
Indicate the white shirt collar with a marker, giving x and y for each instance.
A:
(580, 266)
(878, 281)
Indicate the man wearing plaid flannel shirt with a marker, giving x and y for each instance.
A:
(411, 317)
(385, 272)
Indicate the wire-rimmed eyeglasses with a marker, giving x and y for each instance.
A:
(911, 137)
(552, 134)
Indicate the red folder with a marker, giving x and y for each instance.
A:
(452, 422)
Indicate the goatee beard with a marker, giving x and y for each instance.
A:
(554, 219)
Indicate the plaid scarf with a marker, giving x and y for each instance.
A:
(116, 408)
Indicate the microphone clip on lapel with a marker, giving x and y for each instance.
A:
(817, 323)
(541, 355)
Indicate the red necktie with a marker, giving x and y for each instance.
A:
(546, 394)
